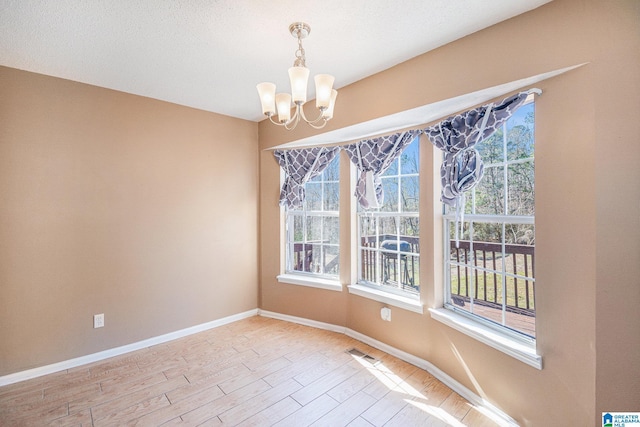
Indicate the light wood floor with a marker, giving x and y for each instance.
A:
(255, 372)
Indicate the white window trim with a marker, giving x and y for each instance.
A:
(310, 281)
(522, 350)
(304, 214)
(407, 302)
(378, 292)
(294, 277)
(520, 347)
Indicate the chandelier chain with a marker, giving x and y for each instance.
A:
(300, 57)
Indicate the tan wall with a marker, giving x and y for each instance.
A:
(587, 221)
(117, 204)
(616, 88)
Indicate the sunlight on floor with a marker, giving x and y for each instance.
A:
(439, 413)
(419, 401)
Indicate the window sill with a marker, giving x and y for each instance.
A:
(404, 302)
(312, 282)
(524, 352)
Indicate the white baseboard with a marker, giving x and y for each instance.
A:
(95, 357)
(303, 321)
(481, 404)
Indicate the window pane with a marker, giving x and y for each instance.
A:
(316, 259)
(462, 234)
(468, 203)
(520, 133)
(521, 234)
(390, 188)
(489, 193)
(410, 230)
(314, 229)
(331, 196)
(488, 295)
(390, 271)
(487, 232)
(410, 158)
(489, 290)
(452, 209)
(491, 149)
(368, 265)
(301, 257)
(298, 231)
(458, 285)
(293, 250)
(332, 172)
(410, 194)
(313, 196)
(521, 189)
(388, 228)
(411, 281)
(331, 260)
(522, 323)
(520, 305)
(519, 143)
(393, 169)
(331, 232)
(368, 230)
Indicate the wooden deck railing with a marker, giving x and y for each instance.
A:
(405, 273)
(518, 260)
(303, 258)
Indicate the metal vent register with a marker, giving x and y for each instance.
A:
(355, 352)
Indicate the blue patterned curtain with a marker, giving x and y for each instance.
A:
(373, 157)
(456, 136)
(299, 167)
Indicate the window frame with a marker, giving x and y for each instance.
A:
(308, 278)
(447, 218)
(499, 336)
(378, 291)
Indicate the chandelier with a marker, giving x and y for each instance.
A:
(298, 77)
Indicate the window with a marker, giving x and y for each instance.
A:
(389, 236)
(489, 274)
(312, 231)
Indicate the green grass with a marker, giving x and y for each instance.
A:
(491, 283)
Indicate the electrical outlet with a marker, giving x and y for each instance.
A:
(98, 320)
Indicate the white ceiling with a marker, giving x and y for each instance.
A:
(210, 54)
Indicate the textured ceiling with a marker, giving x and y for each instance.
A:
(210, 54)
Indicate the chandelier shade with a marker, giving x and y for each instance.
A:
(281, 104)
(324, 86)
(267, 92)
(298, 77)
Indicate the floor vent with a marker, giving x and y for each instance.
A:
(358, 353)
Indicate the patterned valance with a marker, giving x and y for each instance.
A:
(456, 136)
(373, 157)
(299, 167)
